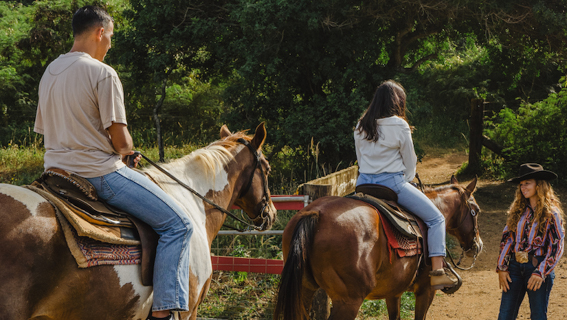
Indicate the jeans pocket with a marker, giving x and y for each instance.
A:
(398, 183)
(104, 190)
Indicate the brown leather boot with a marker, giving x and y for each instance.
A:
(440, 280)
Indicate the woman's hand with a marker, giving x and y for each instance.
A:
(535, 282)
(504, 279)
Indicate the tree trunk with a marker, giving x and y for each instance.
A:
(157, 108)
(475, 138)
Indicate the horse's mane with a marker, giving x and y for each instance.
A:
(442, 189)
(212, 157)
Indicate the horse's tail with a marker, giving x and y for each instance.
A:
(290, 302)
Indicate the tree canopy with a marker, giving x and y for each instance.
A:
(307, 68)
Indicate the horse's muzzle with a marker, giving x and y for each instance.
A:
(266, 217)
(476, 248)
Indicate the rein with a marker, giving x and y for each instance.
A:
(241, 194)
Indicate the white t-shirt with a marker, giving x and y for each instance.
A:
(393, 152)
(79, 98)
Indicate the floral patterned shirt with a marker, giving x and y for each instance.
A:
(529, 238)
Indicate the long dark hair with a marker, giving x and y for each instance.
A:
(389, 100)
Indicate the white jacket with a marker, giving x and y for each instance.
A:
(393, 152)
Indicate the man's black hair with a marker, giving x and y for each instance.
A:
(89, 17)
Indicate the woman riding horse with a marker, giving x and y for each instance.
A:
(385, 153)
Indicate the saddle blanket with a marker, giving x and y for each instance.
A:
(401, 244)
(98, 253)
(87, 251)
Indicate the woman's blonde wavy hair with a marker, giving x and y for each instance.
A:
(547, 201)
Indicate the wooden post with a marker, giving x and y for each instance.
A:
(320, 307)
(475, 136)
(316, 191)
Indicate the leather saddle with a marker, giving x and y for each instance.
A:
(81, 197)
(385, 199)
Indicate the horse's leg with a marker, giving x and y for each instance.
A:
(394, 304)
(307, 294)
(345, 310)
(196, 296)
(424, 295)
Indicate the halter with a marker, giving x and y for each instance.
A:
(474, 215)
(265, 197)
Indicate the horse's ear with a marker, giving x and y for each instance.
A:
(224, 132)
(454, 179)
(259, 136)
(472, 186)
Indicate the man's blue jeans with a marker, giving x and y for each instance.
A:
(134, 193)
(415, 201)
(520, 273)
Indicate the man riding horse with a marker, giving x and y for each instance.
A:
(82, 116)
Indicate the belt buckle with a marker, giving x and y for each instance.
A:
(522, 257)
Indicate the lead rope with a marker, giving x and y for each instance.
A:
(216, 206)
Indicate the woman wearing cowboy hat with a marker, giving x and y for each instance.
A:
(532, 243)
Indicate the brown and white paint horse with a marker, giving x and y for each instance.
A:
(338, 244)
(39, 278)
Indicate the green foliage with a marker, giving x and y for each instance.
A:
(534, 133)
(307, 68)
(32, 34)
(376, 309)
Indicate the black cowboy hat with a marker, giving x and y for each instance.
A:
(533, 171)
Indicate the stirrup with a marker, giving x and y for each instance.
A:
(440, 280)
(451, 273)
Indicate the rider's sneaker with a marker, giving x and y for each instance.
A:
(440, 280)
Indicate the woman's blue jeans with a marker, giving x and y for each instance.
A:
(520, 273)
(134, 193)
(414, 200)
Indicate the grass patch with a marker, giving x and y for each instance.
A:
(376, 309)
(21, 165)
(235, 296)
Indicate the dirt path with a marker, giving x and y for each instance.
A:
(479, 297)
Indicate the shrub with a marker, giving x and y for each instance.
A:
(534, 133)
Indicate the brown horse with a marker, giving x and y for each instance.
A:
(338, 244)
(39, 278)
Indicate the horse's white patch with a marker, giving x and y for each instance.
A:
(131, 274)
(221, 181)
(41, 227)
(29, 198)
(200, 258)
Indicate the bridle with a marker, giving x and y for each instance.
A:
(265, 198)
(474, 215)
